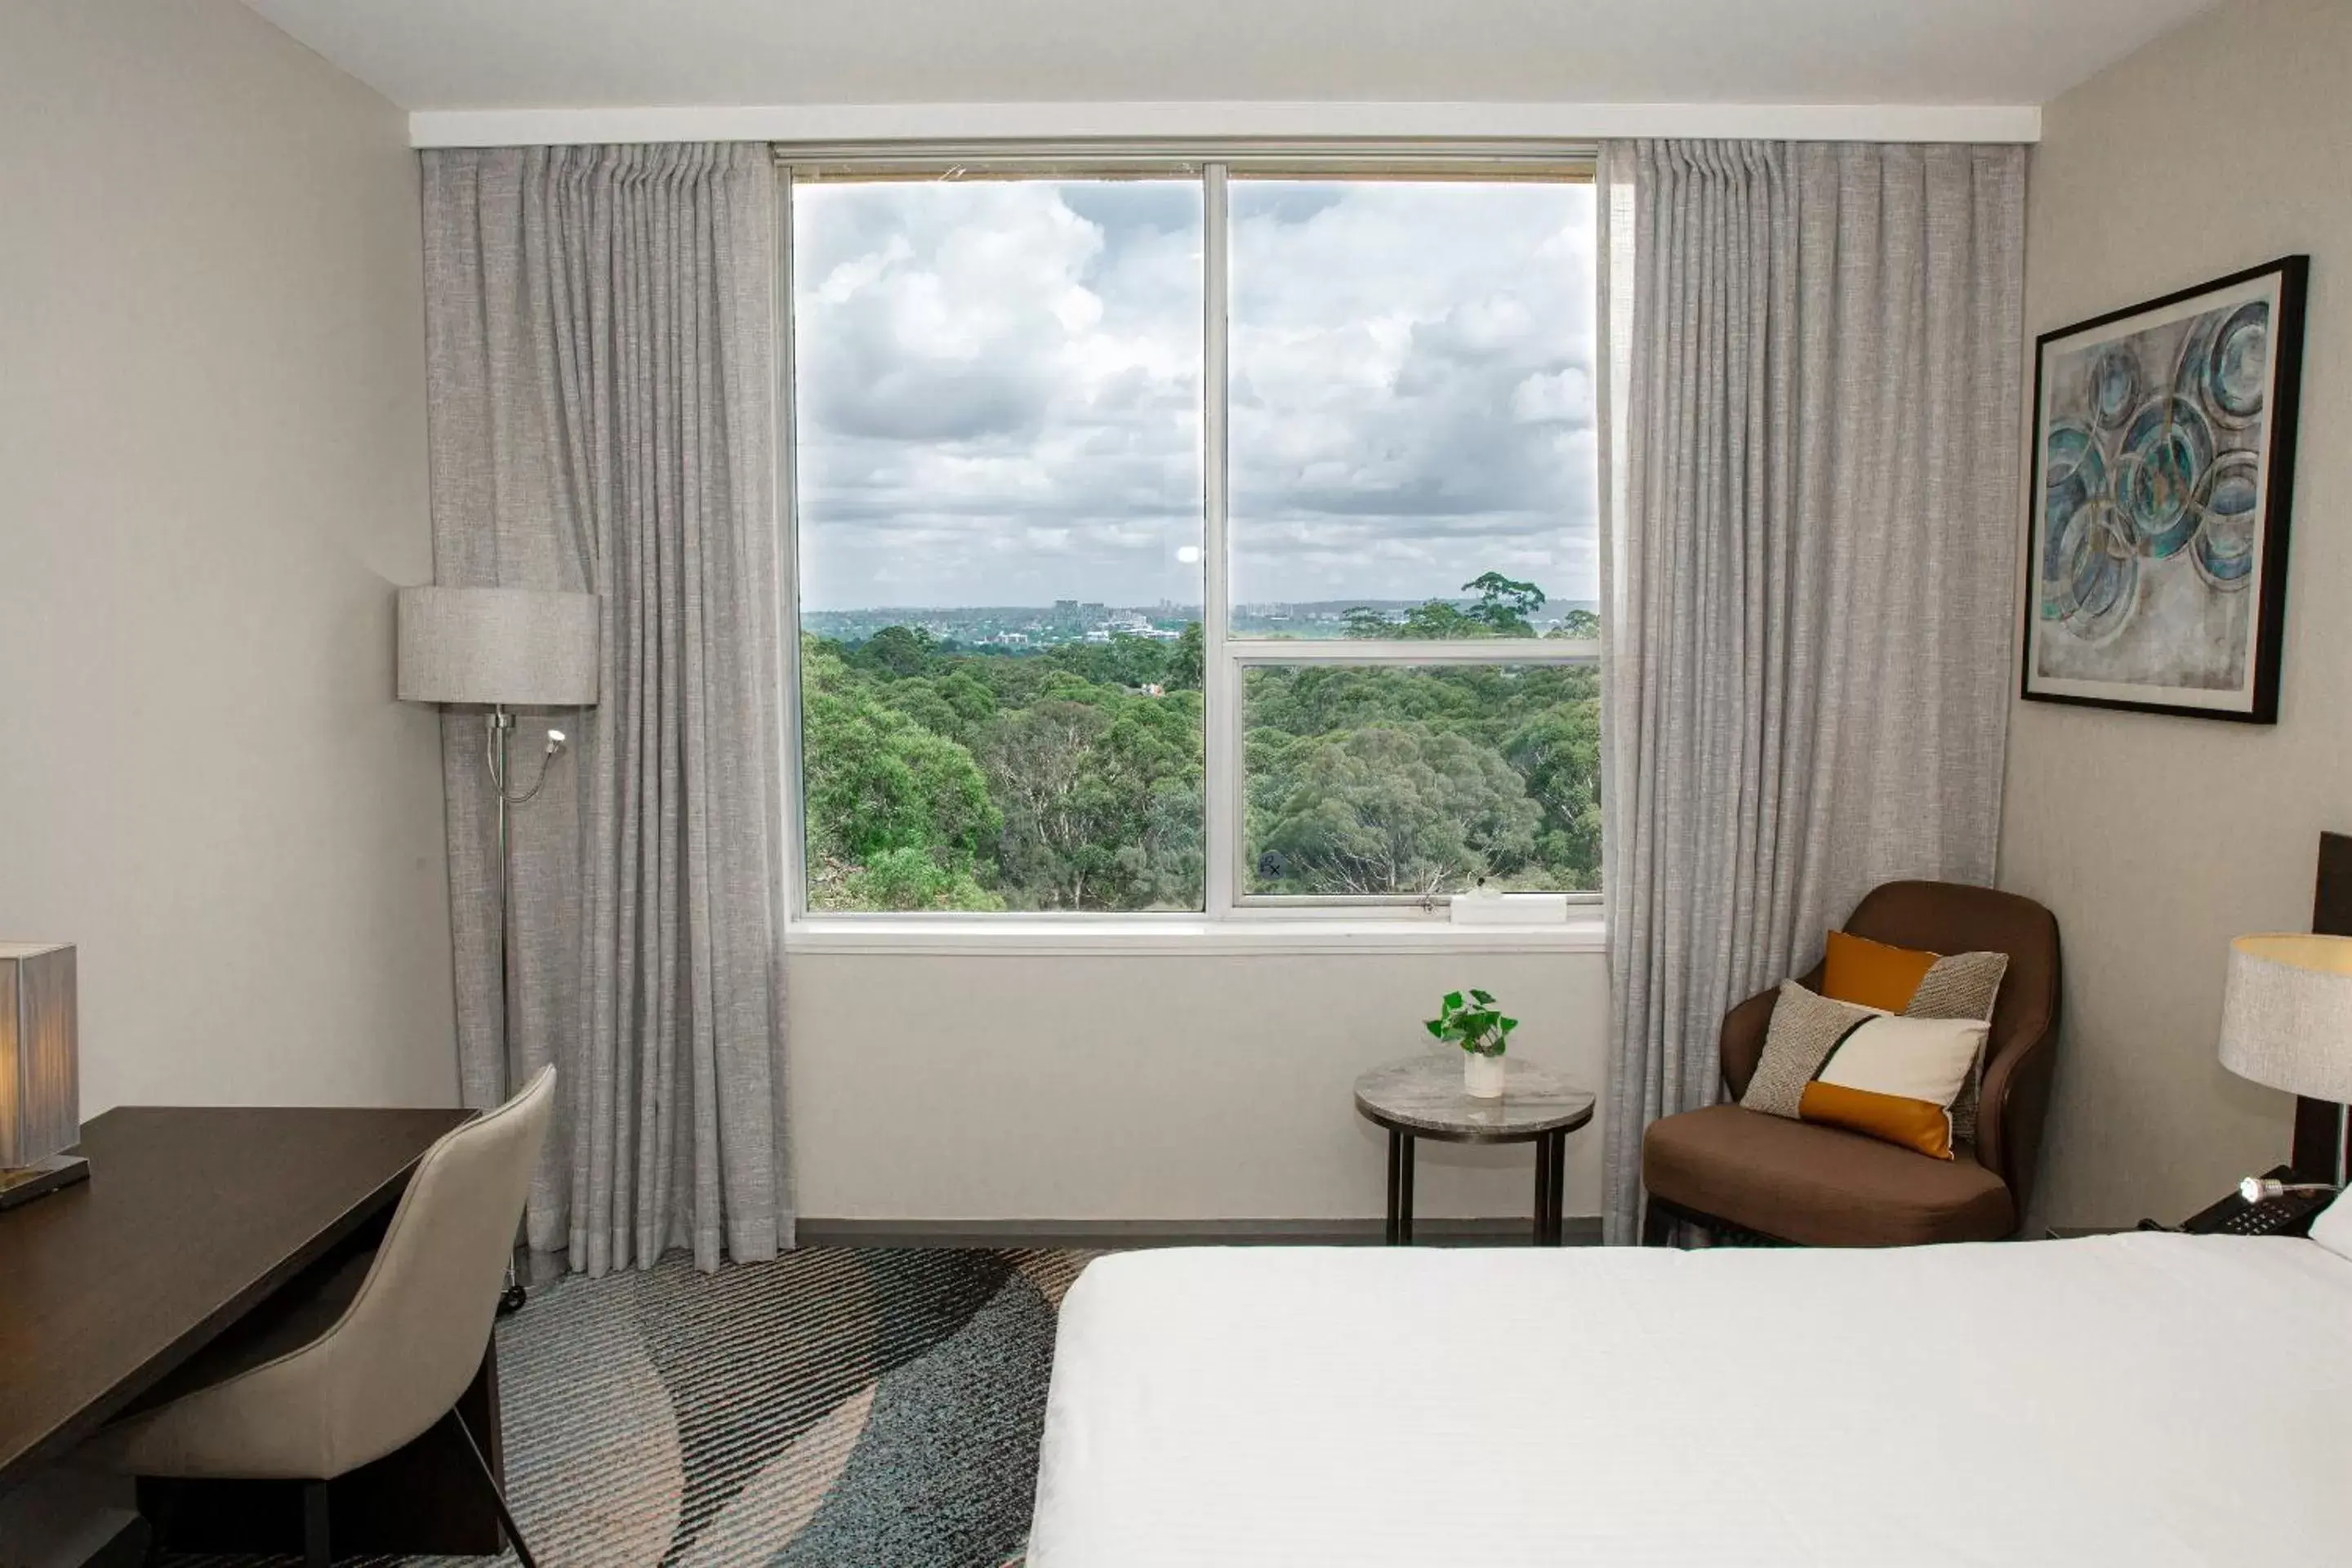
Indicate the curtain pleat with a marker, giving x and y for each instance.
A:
(600, 330)
(1809, 447)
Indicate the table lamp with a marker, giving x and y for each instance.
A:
(41, 1085)
(2286, 1019)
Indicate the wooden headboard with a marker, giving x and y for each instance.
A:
(2315, 1122)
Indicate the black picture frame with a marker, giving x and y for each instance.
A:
(2104, 474)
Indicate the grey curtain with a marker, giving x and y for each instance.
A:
(599, 336)
(1810, 435)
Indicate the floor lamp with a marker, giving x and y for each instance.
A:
(499, 649)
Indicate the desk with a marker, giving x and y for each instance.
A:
(191, 1219)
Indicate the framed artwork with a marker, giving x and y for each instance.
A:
(2164, 463)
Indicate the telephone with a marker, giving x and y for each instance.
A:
(2288, 1213)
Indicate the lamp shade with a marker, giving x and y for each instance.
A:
(2286, 1013)
(511, 648)
(40, 1084)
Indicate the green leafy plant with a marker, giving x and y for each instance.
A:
(1477, 1025)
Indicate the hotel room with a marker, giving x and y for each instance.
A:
(917, 785)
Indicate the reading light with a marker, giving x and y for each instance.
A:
(2255, 1189)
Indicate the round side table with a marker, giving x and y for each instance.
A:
(1422, 1096)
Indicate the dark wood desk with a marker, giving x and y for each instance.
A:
(191, 1219)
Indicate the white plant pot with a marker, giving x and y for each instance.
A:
(1482, 1076)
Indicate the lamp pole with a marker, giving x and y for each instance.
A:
(496, 754)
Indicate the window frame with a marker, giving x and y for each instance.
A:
(1230, 919)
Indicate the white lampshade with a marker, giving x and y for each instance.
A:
(511, 648)
(2286, 1013)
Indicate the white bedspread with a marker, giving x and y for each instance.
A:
(2149, 1400)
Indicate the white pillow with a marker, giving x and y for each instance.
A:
(2333, 1228)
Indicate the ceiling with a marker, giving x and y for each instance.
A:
(535, 54)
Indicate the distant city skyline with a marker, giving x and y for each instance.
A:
(1035, 627)
(1171, 606)
(999, 387)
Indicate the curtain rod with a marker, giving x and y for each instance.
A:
(1435, 155)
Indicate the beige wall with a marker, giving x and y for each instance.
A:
(1151, 1087)
(211, 474)
(2157, 839)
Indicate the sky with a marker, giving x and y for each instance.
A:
(998, 384)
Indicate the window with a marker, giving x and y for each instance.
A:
(1193, 538)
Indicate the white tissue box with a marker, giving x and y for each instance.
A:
(1508, 908)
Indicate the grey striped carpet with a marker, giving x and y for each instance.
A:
(838, 1408)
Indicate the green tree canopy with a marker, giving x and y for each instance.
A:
(1089, 792)
(1558, 755)
(897, 650)
(1393, 808)
(1503, 604)
(911, 879)
(877, 784)
(1184, 669)
(945, 779)
(1499, 608)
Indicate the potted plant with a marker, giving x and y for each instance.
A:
(1479, 1028)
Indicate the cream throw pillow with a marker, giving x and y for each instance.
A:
(1885, 1075)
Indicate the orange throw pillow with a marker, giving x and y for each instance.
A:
(1873, 975)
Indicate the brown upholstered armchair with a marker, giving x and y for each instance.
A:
(1819, 1186)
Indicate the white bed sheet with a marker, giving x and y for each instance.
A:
(2152, 1400)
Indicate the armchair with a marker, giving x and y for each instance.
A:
(1820, 1186)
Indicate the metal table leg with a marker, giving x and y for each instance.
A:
(1543, 1190)
(1558, 1196)
(1396, 1165)
(1400, 1231)
(1404, 1206)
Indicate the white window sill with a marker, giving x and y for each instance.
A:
(1034, 936)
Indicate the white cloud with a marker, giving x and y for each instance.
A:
(999, 388)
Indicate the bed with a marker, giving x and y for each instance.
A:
(2144, 1399)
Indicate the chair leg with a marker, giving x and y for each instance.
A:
(490, 1480)
(1658, 1226)
(318, 1550)
(159, 1523)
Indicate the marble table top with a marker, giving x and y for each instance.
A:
(1422, 1095)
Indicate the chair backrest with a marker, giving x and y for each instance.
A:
(413, 1337)
(1952, 916)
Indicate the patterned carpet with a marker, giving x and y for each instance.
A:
(838, 1408)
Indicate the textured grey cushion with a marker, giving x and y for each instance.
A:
(1806, 1027)
(1962, 985)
